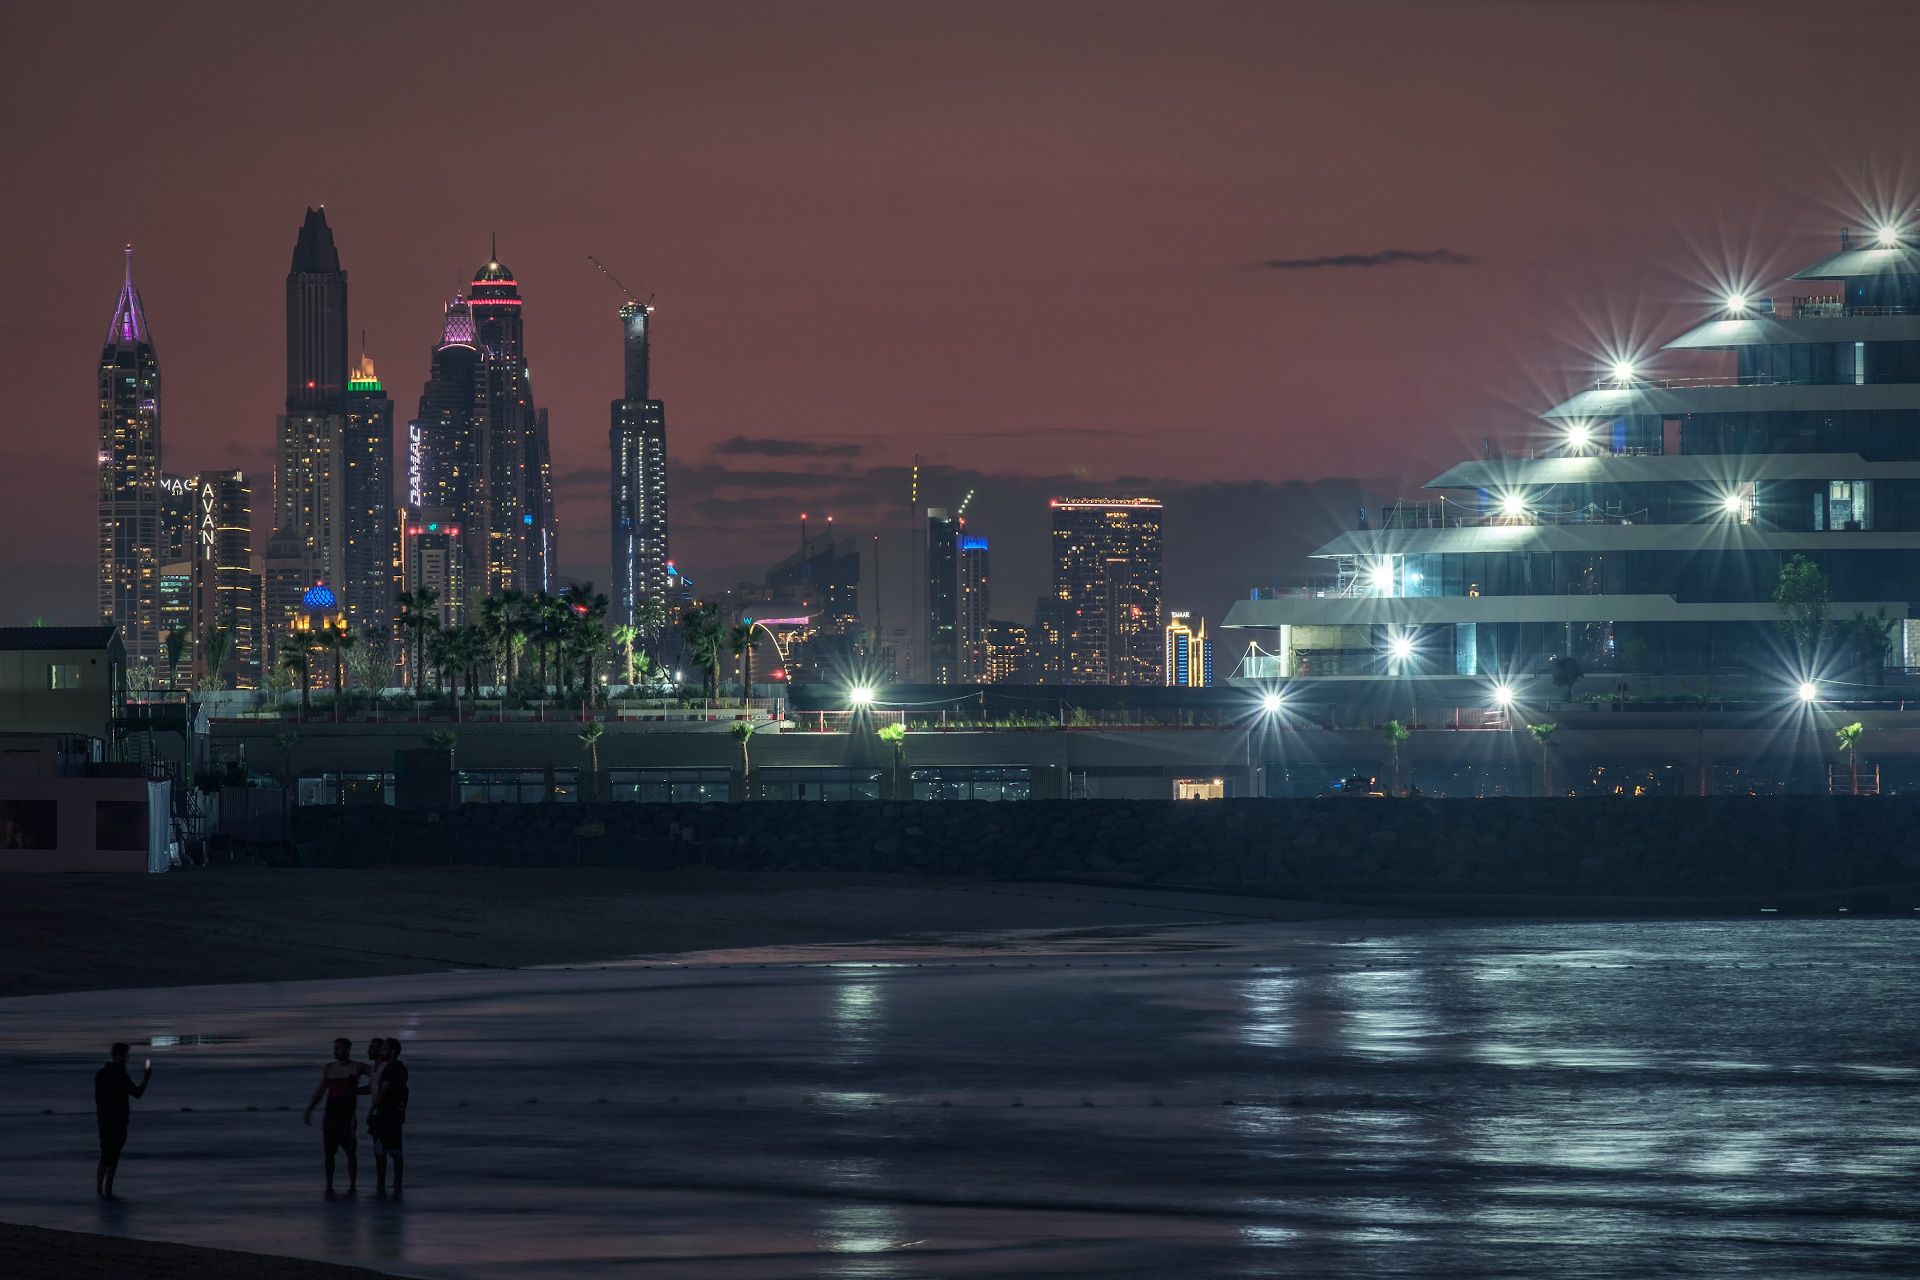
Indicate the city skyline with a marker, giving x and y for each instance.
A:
(1249, 337)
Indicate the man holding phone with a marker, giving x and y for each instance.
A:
(113, 1089)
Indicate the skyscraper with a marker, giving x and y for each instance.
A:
(316, 321)
(447, 453)
(310, 510)
(1189, 655)
(1106, 574)
(971, 601)
(370, 576)
(519, 528)
(226, 588)
(128, 486)
(942, 588)
(637, 441)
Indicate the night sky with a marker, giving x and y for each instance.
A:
(1265, 261)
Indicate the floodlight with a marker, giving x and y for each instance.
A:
(1400, 648)
(1503, 695)
(1579, 436)
(1808, 691)
(1623, 371)
(1737, 303)
(1382, 576)
(1270, 703)
(1733, 503)
(1513, 504)
(1887, 236)
(860, 695)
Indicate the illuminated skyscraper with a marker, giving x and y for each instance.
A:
(446, 454)
(1106, 574)
(1189, 655)
(942, 588)
(519, 528)
(370, 577)
(128, 486)
(638, 444)
(970, 607)
(226, 588)
(310, 510)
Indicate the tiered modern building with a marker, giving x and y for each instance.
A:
(1106, 582)
(1650, 537)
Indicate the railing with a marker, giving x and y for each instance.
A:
(1830, 308)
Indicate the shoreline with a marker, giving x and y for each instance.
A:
(42, 1253)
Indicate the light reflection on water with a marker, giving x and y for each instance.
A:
(1583, 1101)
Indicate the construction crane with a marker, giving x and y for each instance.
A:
(632, 301)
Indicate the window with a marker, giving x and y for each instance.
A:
(63, 675)
(120, 825)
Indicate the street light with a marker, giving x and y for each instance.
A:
(1809, 691)
(1503, 696)
(860, 695)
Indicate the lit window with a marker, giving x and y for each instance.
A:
(63, 675)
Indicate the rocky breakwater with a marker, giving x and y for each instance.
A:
(1741, 851)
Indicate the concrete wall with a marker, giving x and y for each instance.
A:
(29, 703)
(1738, 853)
(58, 824)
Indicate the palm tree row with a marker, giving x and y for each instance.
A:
(566, 634)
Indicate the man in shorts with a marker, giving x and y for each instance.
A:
(112, 1089)
(339, 1085)
(387, 1116)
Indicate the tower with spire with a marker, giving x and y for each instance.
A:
(311, 512)
(519, 533)
(638, 444)
(128, 484)
(444, 468)
(370, 578)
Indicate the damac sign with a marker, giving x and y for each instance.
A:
(415, 453)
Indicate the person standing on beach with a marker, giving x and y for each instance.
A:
(339, 1085)
(112, 1090)
(387, 1116)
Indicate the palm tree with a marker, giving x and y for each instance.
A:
(336, 641)
(743, 639)
(287, 740)
(1396, 735)
(417, 618)
(590, 736)
(1543, 734)
(296, 664)
(1849, 738)
(219, 647)
(589, 641)
(701, 627)
(176, 649)
(623, 637)
(742, 731)
(650, 620)
(895, 735)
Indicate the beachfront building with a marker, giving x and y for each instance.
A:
(1648, 538)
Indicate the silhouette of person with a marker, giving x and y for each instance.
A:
(386, 1117)
(113, 1089)
(339, 1085)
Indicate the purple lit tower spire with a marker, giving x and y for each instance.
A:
(128, 477)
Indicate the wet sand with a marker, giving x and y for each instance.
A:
(251, 924)
(36, 1254)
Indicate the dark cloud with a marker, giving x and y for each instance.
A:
(773, 447)
(1384, 258)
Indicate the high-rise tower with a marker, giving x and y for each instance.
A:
(1106, 576)
(129, 477)
(447, 470)
(638, 441)
(310, 511)
(519, 530)
(316, 321)
(370, 578)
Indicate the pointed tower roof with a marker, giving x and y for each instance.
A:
(313, 252)
(129, 326)
(458, 329)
